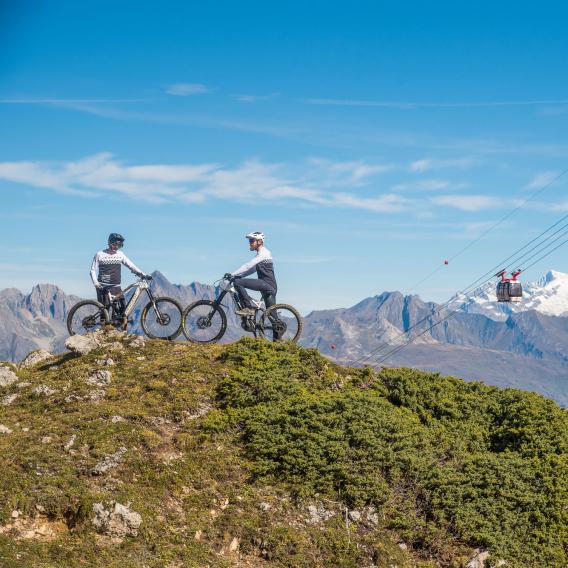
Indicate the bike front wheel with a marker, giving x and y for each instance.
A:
(161, 319)
(281, 322)
(204, 322)
(85, 317)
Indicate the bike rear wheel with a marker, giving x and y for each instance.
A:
(281, 322)
(164, 322)
(204, 322)
(85, 317)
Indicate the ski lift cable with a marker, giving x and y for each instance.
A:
(494, 226)
(470, 288)
(399, 348)
(395, 347)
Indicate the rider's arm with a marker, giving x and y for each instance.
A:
(249, 267)
(95, 271)
(131, 266)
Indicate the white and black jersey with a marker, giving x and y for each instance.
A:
(106, 268)
(263, 265)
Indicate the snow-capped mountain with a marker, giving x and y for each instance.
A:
(548, 296)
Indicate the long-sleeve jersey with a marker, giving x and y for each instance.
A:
(105, 270)
(263, 265)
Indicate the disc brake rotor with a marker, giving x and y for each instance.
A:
(203, 322)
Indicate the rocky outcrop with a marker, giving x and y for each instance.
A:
(7, 377)
(35, 357)
(116, 520)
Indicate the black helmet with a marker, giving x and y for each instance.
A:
(115, 238)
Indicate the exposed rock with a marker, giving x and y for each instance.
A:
(354, 516)
(96, 395)
(46, 440)
(5, 429)
(109, 462)
(7, 377)
(234, 545)
(318, 514)
(105, 362)
(99, 378)
(82, 344)
(478, 559)
(117, 521)
(38, 528)
(23, 384)
(7, 400)
(35, 357)
(264, 506)
(44, 390)
(138, 343)
(116, 419)
(70, 443)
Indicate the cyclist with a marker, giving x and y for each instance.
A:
(266, 282)
(106, 272)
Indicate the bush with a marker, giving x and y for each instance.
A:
(444, 460)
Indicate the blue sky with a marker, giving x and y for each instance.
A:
(369, 140)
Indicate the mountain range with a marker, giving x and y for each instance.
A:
(523, 346)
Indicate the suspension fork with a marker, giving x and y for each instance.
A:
(154, 304)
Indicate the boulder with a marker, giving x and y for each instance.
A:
(99, 378)
(82, 344)
(5, 429)
(35, 357)
(116, 520)
(7, 377)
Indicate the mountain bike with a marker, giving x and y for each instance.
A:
(160, 318)
(205, 321)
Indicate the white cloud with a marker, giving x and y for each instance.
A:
(468, 202)
(255, 98)
(427, 164)
(187, 89)
(251, 182)
(541, 180)
(425, 185)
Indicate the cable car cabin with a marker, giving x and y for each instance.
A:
(509, 289)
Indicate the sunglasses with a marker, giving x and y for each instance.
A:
(252, 241)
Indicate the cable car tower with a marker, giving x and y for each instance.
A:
(509, 289)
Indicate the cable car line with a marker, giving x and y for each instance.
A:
(494, 226)
(469, 289)
(398, 348)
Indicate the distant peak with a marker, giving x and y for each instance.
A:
(552, 276)
(157, 275)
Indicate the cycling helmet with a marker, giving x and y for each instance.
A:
(255, 235)
(116, 238)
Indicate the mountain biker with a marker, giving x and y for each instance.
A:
(106, 272)
(266, 282)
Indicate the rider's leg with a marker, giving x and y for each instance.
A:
(269, 298)
(241, 284)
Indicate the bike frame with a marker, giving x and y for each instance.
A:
(139, 286)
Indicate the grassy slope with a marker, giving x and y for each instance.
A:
(214, 432)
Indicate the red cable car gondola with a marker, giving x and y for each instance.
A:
(509, 289)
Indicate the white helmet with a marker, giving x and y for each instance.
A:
(255, 235)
